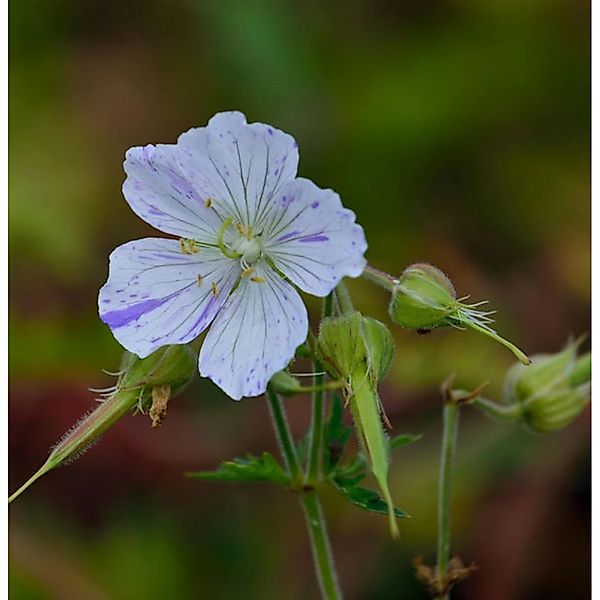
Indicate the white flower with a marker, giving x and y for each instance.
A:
(248, 229)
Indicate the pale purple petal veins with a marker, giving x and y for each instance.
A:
(254, 335)
(160, 194)
(313, 239)
(240, 166)
(156, 295)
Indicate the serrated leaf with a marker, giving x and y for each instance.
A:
(366, 499)
(404, 439)
(337, 434)
(249, 469)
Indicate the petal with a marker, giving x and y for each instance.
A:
(240, 166)
(154, 296)
(313, 239)
(254, 335)
(160, 194)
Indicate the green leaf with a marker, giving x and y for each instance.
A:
(249, 469)
(366, 499)
(404, 439)
(337, 435)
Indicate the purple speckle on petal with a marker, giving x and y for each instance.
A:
(314, 238)
(287, 236)
(119, 318)
(315, 204)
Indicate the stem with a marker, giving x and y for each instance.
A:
(316, 426)
(321, 550)
(343, 298)
(444, 493)
(284, 437)
(385, 280)
(505, 412)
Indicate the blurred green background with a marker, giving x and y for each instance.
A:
(458, 130)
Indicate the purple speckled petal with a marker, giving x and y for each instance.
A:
(313, 239)
(159, 193)
(254, 335)
(240, 166)
(156, 295)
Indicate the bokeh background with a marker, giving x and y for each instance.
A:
(458, 130)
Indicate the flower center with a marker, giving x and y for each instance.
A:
(250, 249)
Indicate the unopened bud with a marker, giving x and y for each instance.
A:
(142, 382)
(359, 350)
(552, 391)
(285, 384)
(423, 298)
(354, 343)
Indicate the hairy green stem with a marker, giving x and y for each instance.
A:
(284, 436)
(316, 426)
(385, 280)
(504, 412)
(321, 550)
(309, 498)
(446, 476)
(343, 297)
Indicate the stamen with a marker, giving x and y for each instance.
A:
(198, 280)
(214, 288)
(208, 203)
(188, 246)
(241, 229)
(257, 279)
(247, 272)
(249, 232)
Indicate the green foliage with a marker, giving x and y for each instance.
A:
(367, 499)
(404, 439)
(249, 469)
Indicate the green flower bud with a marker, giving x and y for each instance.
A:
(552, 391)
(557, 409)
(354, 342)
(423, 298)
(285, 384)
(142, 383)
(359, 350)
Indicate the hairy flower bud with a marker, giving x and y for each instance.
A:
(142, 383)
(285, 384)
(353, 343)
(359, 350)
(423, 298)
(552, 391)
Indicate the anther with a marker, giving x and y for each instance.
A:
(214, 288)
(188, 246)
(247, 272)
(257, 279)
(199, 280)
(208, 203)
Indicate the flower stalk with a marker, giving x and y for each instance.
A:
(446, 476)
(321, 550)
(313, 473)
